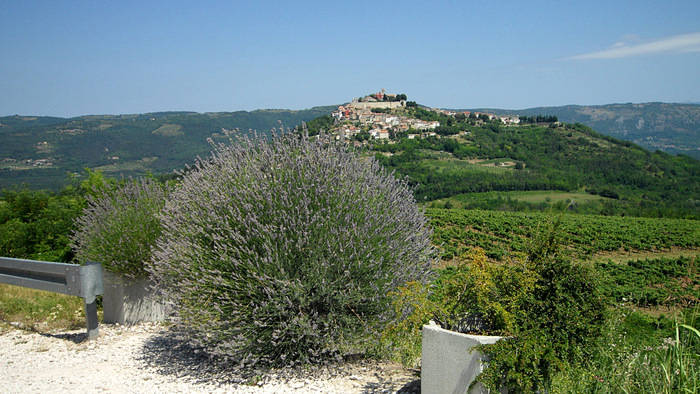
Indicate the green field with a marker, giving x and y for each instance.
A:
(552, 196)
(447, 165)
(141, 165)
(531, 197)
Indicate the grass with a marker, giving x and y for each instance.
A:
(640, 354)
(40, 311)
(552, 196)
(133, 165)
(535, 197)
(452, 165)
(622, 256)
(169, 130)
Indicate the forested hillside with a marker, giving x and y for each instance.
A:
(466, 156)
(42, 151)
(489, 157)
(672, 128)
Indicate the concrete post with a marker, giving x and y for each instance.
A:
(130, 301)
(447, 363)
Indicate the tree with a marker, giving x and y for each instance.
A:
(35, 224)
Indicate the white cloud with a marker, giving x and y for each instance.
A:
(683, 43)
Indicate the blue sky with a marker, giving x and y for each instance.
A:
(70, 58)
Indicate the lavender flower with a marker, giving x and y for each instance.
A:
(283, 251)
(119, 227)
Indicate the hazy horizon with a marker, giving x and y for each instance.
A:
(334, 104)
(71, 59)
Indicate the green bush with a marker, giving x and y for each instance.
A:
(556, 324)
(120, 225)
(285, 251)
(548, 308)
(556, 327)
(474, 297)
(482, 297)
(35, 224)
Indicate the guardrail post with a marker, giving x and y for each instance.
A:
(90, 286)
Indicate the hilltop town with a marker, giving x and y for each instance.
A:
(384, 116)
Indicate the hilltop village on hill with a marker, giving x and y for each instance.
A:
(381, 116)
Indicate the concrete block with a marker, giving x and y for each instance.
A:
(130, 301)
(447, 365)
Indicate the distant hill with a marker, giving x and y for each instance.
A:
(493, 161)
(672, 128)
(42, 151)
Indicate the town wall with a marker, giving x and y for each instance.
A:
(378, 104)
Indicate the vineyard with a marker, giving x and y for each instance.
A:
(501, 234)
(652, 283)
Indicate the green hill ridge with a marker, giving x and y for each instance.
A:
(41, 151)
(669, 127)
(463, 156)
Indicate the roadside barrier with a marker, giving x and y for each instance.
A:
(83, 281)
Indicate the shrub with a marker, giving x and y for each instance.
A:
(556, 322)
(35, 224)
(549, 309)
(482, 297)
(556, 327)
(286, 251)
(473, 297)
(402, 339)
(120, 225)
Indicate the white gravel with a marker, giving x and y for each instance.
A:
(146, 359)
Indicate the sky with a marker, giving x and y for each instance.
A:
(72, 58)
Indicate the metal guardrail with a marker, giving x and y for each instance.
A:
(83, 281)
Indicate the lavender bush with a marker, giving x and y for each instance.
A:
(284, 251)
(120, 225)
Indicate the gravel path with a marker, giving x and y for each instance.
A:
(146, 359)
